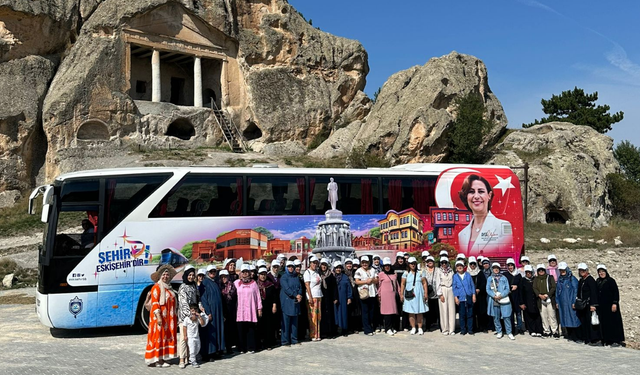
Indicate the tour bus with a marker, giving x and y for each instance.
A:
(108, 230)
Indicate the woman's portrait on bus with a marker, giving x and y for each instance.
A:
(485, 232)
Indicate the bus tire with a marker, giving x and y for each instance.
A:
(142, 315)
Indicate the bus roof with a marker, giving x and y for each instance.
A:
(416, 169)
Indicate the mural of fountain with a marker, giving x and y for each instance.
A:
(333, 235)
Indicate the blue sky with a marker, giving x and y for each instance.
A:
(532, 49)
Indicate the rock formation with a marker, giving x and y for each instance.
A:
(568, 165)
(415, 109)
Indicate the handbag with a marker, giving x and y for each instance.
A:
(504, 300)
(410, 294)
(580, 303)
(147, 301)
(363, 292)
(594, 319)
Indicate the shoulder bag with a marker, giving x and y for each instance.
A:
(580, 303)
(410, 294)
(504, 300)
(363, 292)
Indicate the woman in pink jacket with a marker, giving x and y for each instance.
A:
(249, 309)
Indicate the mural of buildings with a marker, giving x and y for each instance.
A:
(302, 245)
(204, 250)
(448, 222)
(365, 242)
(277, 246)
(245, 243)
(402, 229)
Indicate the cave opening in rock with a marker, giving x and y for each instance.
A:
(93, 131)
(252, 132)
(182, 129)
(556, 216)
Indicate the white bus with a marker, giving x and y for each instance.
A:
(108, 230)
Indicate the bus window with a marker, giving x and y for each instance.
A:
(356, 195)
(398, 194)
(202, 195)
(276, 196)
(74, 191)
(124, 194)
(76, 231)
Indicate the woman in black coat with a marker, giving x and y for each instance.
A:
(611, 328)
(514, 278)
(588, 294)
(329, 299)
(529, 303)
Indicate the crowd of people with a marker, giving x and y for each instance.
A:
(266, 305)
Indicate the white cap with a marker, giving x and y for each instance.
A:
(444, 259)
(601, 267)
(528, 268)
(399, 254)
(289, 263)
(348, 260)
(583, 266)
(511, 261)
(313, 258)
(459, 263)
(281, 256)
(252, 267)
(524, 257)
(562, 266)
(485, 259)
(431, 258)
(376, 256)
(460, 256)
(412, 260)
(480, 258)
(540, 266)
(325, 261)
(297, 262)
(356, 261)
(275, 262)
(224, 272)
(472, 259)
(495, 264)
(425, 253)
(202, 271)
(551, 256)
(337, 263)
(211, 267)
(262, 269)
(261, 263)
(188, 267)
(386, 261)
(364, 258)
(245, 267)
(444, 252)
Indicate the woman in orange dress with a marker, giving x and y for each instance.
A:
(163, 322)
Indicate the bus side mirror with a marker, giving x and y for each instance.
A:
(47, 200)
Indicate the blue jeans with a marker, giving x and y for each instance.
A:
(289, 330)
(507, 323)
(368, 307)
(517, 321)
(466, 316)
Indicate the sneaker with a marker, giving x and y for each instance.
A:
(406, 329)
(615, 345)
(195, 364)
(463, 333)
(369, 334)
(378, 330)
(394, 331)
(511, 337)
(182, 365)
(452, 333)
(556, 336)
(445, 333)
(420, 331)
(413, 331)
(390, 333)
(499, 336)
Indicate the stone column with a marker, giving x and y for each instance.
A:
(156, 87)
(197, 82)
(224, 85)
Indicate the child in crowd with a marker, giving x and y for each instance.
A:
(191, 334)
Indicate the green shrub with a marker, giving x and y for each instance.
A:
(359, 157)
(625, 196)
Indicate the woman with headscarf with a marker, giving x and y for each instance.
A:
(290, 299)
(480, 307)
(611, 327)
(303, 316)
(529, 303)
(514, 278)
(355, 311)
(499, 303)
(414, 295)
(586, 303)
(345, 295)
(229, 309)
(387, 292)
(230, 266)
(566, 291)
(268, 323)
(212, 335)
(329, 300)
(187, 295)
(163, 320)
(249, 310)
(444, 290)
(399, 267)
(545, 287)
(432, 275)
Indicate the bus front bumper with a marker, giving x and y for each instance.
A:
(42, 309)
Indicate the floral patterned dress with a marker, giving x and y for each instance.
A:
(161, 341)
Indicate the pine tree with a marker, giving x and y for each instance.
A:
(578, 108)
(468, 130)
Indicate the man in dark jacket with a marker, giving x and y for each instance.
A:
(586, 303)
(545, 288)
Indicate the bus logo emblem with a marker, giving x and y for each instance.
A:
(75, 306)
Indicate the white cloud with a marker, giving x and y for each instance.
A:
(309, 233)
